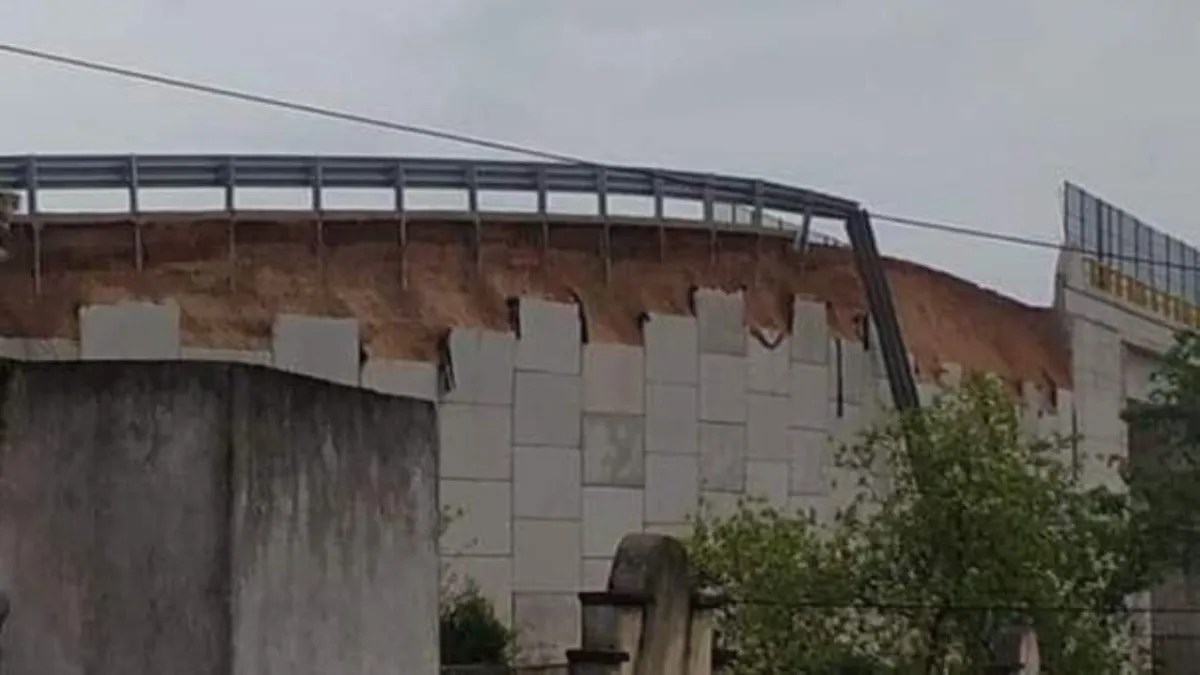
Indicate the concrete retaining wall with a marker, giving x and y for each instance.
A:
(203, 518)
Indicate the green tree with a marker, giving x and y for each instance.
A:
(982, 527)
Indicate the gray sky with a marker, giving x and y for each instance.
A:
(955, 110)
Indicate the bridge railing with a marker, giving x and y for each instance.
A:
(35, 174)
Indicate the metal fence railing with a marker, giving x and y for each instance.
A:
(33, 175)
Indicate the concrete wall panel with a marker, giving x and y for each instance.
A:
(672, 345)
(722, 388)
(481, 366)
(415, 379)
(547, 626)
(767, 427)
(547, 410)
(671, 419)
(547, 555)
(723, 456)
(130, 331)
(613, 450)
(768, 366)
(810, 331)
(547, 483)
(480, 517)
(809, 396)
(609, 514)
(595, 574)
(549, 336)
(491, 574)
(476, 441)
(319, 347)
(768, 481)
(720, 321)
(613, 379)
(672, 487)
(810, 460)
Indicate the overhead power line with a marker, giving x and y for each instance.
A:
(504, 146)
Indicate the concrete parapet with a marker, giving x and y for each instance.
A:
(129, 331)
(549, 336)
(720, 321)
(260, 357)
(33, 349)
(320, 347)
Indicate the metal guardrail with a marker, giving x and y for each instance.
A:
(36, 173)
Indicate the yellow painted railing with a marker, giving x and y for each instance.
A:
(1109, 280)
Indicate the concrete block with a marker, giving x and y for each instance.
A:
(129, 331)
(613, 450)
(672, 346)
(672, 487)
(614, 379)
(810, 459)
(475, 441)
(856, 370)
(810, 331)
(415, 379)
(768, 481)
(608, 515)
(547, 410)
(848, 428)
(720, 321)
(720, 505)
(722, 388)
(319, 347)
(723, 456)
(677, 530)
(547, 625)
(260, 357)
(671, 418)
(547, 555)
(809, 399)
(481, 365)
(768, 367)
(491, 574)
(35, 349)
(480, 517)
(550, 337)
(1099, 412)
(595, 574)
(820, 508)
(927, 393)
(952, 375)
(767, 427)
(546, 483)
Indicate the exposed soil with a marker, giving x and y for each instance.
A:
(229, 300)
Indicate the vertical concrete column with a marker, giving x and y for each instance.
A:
(613, 453)
(129, 331)
(548, 472)
(475, 463)
(769, 362)
(724, 406)
(809, 425)
(672, 485)
(1097, 358)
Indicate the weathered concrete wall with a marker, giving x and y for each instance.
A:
(203, 518)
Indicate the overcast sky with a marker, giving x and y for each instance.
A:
(956, 110)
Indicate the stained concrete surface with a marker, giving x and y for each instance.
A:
(203, 518)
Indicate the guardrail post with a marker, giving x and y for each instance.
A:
(606, 234)
(231, 208)
(134, 211)
(31, 188)
(402, 216)
(712, 224)
(317, 178)
(660, 215)
(758, 203)
(473, 207)
(543, 208)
